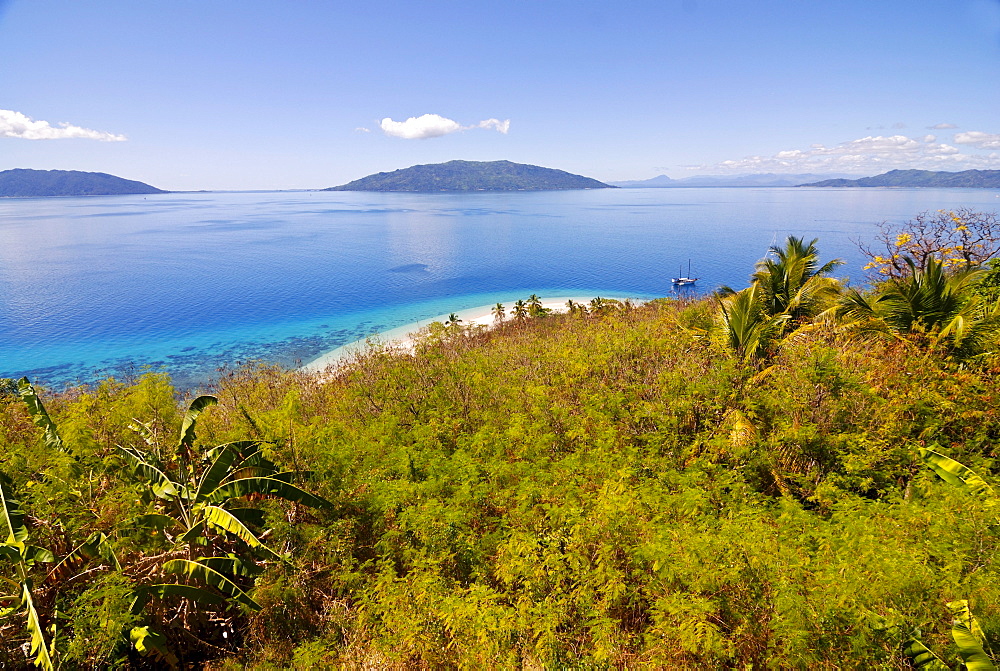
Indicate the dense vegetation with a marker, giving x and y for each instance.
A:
(24, 183)
(938, 179)
(472, 176)
(793, 475)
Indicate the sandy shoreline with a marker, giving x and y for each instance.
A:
(402, 336)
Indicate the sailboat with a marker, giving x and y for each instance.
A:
(684, 280)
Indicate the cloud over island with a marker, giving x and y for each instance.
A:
(435, 125)
(875, 154)
(16, 124)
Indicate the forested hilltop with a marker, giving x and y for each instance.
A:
(472, 176)
(24, 183)
(793, 475)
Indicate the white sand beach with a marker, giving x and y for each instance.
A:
(402, 337)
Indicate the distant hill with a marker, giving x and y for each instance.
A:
(472, 176)
(987, 179)
(760, 179)
(23, 183)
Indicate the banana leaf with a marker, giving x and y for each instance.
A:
(39, 649)
(231, 564)
(39, 415)
(958, 474)
(159, 482)
(32, 554)
(96, 546)
(151, 643)
(225, 456)
(12, 528)
(197, 406)
(922, 658)
(969, 637)
(264, 486)
(226, 521)
(208, 575)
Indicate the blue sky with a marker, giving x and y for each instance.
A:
(257, 95)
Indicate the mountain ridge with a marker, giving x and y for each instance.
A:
(977, 179)
(29, 183)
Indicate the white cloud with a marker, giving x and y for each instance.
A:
(873, 154)
(942, 126)
(15, 124)
(435, 125)
(362, 129)
(979, 139)
(495, 124)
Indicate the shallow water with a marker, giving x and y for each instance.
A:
(190, 283)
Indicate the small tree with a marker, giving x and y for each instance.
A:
(960, 238)
(499, 313)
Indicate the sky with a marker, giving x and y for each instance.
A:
(206, 94)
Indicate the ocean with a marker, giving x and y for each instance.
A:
(194, 283)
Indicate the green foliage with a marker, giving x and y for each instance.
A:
(793, 282)
(98, 615)
(17, 558)
(608, 488)
(746, 326)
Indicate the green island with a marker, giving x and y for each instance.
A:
(795, 474)
(25, 183)
(472, 176)
(937, 179)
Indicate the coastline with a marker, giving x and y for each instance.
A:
(402, 337)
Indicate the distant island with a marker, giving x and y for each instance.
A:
(24, 183)
(758, 179)
(472, 176)
(981, 179)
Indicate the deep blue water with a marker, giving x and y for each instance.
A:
(193, 282)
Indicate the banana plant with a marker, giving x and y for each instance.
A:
(959, 475)
(19, 558)
(965, 629)
(968, 637)
(197, 493)
(199, 497)
(40, 416)
(215, 551)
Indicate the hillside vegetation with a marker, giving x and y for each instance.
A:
(24, 183)
(937, 179)
(736, 481)
(472, 176)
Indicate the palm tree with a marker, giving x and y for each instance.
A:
(535, 308)
(793, 282)
(453, 320)
(600, 306)
(520, 311)
(927, 302)
(499, 313)
(746, 326)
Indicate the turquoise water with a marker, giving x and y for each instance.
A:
(191, 283)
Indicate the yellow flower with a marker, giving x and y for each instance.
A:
(902, 239)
